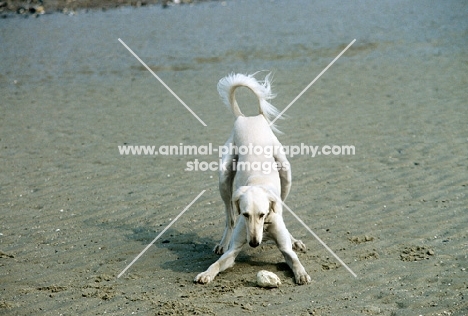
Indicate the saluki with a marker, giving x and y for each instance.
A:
(253, 182)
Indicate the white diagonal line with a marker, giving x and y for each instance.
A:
(162, 82)
(313, 81)
(160, 234)
(320, 240)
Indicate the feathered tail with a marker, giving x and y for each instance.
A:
(262, 90)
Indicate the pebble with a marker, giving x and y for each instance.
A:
(267, 279)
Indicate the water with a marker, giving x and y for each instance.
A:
(233, 35)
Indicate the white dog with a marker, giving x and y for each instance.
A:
(253, 184)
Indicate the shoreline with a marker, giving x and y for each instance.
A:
(36, 8)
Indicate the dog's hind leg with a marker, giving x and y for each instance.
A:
(297, 245)
(226, 176)
(284, 170)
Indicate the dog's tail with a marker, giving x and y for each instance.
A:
(262, 90)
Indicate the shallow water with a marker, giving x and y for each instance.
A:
(250, 35)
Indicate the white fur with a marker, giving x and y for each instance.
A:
(262, 90)
(253, 194)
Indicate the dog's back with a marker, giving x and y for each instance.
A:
(255, 163)
(254, 131)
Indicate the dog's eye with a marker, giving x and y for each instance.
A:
(261, 215)
(246, 215)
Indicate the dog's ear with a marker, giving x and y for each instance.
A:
(275, 202)
(274, 206)
(235, 205)
(236, 196)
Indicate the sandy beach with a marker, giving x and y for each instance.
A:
(74, 212)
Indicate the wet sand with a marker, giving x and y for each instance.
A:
(74, 212)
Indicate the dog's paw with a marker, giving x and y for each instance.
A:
(298, 245)
(219, 249)
(203, 278)
(303, 279)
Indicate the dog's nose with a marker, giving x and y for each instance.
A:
(253, 243)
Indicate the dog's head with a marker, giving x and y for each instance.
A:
(254, 204)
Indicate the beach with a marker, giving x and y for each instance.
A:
(75, 211)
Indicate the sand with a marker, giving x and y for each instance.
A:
(74, 212)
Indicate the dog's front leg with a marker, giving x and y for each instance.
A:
(283, 241)
(239, 239)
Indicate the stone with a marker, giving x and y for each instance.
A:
(267, 279)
